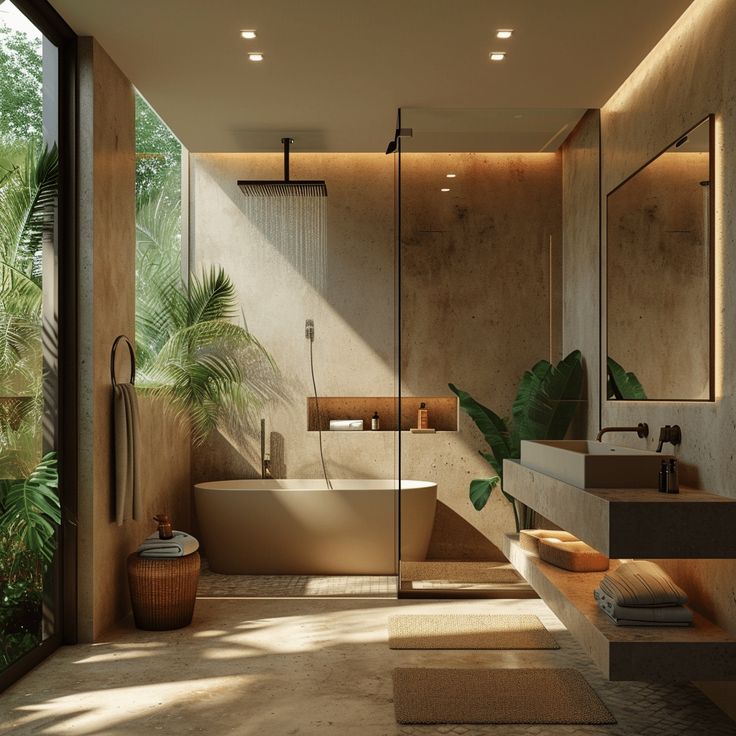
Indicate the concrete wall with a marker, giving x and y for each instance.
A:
(106, 309)
(689, 74)
(476, 307)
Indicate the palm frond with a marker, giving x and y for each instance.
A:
(27, 200)
(211, 297)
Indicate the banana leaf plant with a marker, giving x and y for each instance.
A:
(30, 513)
(622, 384)
(546, 401)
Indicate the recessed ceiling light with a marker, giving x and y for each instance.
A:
(450, 176)
(248, 34)
(445, 189)
(497, 55)
(256, 56)
(504, 32)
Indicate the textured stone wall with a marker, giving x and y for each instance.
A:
(475, 308)
(106, 309)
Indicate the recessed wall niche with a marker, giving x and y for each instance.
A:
(442, 411)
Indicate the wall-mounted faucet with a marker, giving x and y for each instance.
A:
(671, 434)
(641, 429)
(265, 459)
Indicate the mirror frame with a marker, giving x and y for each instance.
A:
(604, 285)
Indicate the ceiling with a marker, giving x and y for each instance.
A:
(336, 71)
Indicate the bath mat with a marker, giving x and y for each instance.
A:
(424, 695)
(460, 572)
(468, 631)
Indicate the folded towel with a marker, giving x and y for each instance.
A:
(641, 614)
(625, 622)
(126, 424)
(641, 583)
(179, 545)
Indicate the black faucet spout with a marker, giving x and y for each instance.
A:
(641, 429)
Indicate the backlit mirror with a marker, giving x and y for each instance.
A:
(659, 272)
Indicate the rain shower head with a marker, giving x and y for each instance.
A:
(286, 187)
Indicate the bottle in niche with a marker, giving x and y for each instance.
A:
(673, 485)
(423, 417)
(664, 472)
(375, 421)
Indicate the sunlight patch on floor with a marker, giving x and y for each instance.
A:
(97, 711)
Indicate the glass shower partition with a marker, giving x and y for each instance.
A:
(479, 232)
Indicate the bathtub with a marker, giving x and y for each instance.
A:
(299, 527)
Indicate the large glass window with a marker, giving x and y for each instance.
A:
(29, 184)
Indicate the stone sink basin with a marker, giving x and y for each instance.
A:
(587, 464)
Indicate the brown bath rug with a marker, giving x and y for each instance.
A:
(495, 573)
(468, 631)
(424, 695)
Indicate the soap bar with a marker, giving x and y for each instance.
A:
(346, 425)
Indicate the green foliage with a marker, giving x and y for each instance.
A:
(158, 155)
(29, 516)
(21, 100)
(623, 385)
(209, 370)
(480, 490)
(545, 404)
(28, 194)
(30, 512)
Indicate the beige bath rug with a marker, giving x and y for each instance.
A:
(468, 631)
(460, 572)
(423, 695)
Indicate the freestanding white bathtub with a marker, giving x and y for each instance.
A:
(300, 527)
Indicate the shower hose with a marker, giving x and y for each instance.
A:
(319, 417)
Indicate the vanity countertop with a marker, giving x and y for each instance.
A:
(631, 522)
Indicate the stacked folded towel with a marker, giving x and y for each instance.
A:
(179, 545)
(640, 593)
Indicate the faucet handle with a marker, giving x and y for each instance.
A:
(669, 433)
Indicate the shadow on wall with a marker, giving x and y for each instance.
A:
(453, 538)
(337, 245)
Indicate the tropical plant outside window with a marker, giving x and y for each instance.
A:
(29, 502)
(209, 370)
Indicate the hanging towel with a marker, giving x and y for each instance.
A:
(664, 615)
(179, 545)
(642, 583)
(126, 431)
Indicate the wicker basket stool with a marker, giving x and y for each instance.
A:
(163, 590)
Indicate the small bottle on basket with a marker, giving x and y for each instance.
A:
(375, 421)
(165, 530)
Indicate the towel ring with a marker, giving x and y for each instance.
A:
(112, 359)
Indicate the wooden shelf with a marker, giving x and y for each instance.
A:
(631, 522)
(702, 651)
(443, 411)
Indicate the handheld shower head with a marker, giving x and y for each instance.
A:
(309, 330)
